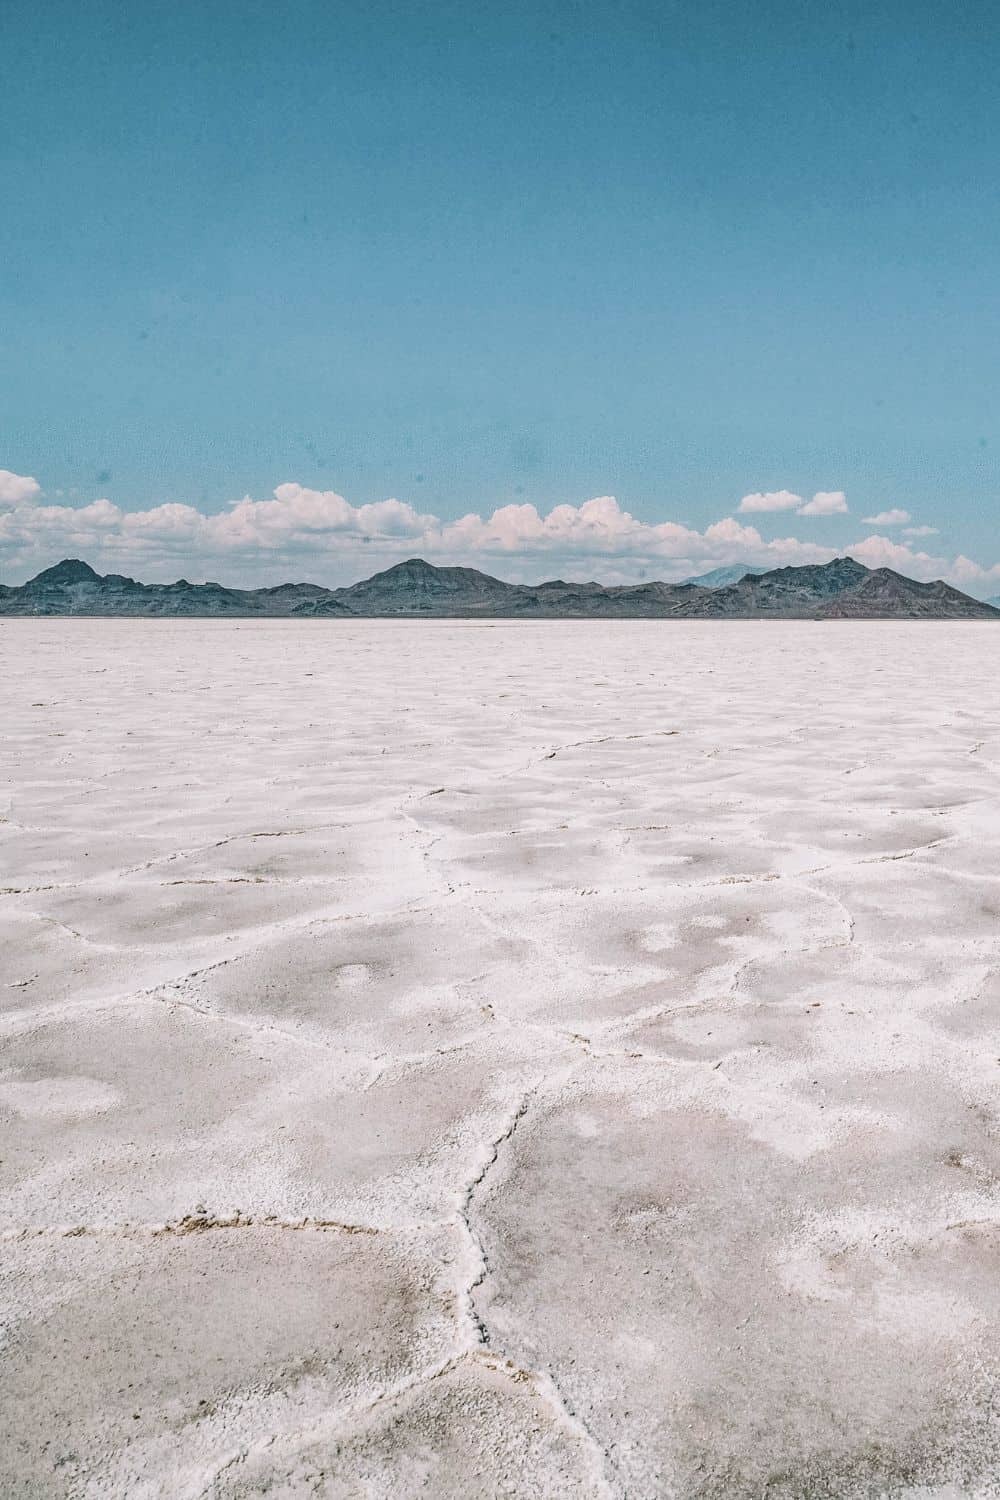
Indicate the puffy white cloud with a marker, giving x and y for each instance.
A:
(597, 528)
(775, 500)
(972, 575)
(297, 511)
(18, 489)
(916, 531)
(894, 517)
(882, 552)
(825, 503)
(46, 528)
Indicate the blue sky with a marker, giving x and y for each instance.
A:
(476, 258)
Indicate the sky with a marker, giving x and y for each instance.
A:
(609, 290)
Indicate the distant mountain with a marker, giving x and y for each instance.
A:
(841, 589)
(70, 570)
(788, 591)
(720, 578)
(995, 602)
(416, 585)
(885, 594)
(73, 588)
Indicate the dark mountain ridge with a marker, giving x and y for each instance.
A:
(841, 589)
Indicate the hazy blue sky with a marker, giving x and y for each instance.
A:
(471, 255)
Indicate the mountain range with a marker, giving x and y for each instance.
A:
(841, 589)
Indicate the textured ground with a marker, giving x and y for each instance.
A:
(478, 1060)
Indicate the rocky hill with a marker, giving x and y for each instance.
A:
(884, 594)
(841, 589)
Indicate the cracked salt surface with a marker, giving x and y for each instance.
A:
(498, 1059)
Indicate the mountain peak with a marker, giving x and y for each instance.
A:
(412, 566)
(418, 579)
(70, 570)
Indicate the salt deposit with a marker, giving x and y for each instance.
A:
(551, 1059)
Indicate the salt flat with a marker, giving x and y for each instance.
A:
(499, 1059)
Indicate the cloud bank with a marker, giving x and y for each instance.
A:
(320, 535)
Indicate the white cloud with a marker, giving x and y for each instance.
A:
(969, 574)
(916, 531)
(775, 500)
(296, 510)
(882, 552)
(597, 528)
(825, 503)
(894, 517)
(17, 489)
(302, 532)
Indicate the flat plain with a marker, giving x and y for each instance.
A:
(473, 1060)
